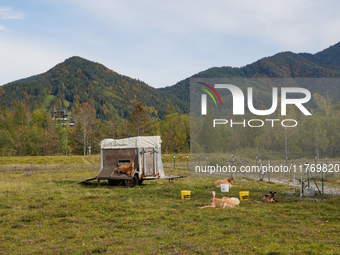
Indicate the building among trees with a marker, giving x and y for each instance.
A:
(61, 116)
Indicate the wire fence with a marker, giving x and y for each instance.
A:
(300, 173)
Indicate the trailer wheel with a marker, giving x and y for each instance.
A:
(132, 182)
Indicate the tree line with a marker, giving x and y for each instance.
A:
(23, 132)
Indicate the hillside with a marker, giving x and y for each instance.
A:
(78, 80)
(282, 65)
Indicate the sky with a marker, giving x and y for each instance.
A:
(159, 42)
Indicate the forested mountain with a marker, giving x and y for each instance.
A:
(78, 80)
(106, 104)
(282, 65)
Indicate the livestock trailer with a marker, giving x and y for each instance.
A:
(144, 151)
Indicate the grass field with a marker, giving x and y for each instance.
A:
(44, 211)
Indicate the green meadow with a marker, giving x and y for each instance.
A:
(44, 211)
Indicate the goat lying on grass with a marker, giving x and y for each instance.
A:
(226, 181)
(269, 197)
(127, 169)
(225, 202)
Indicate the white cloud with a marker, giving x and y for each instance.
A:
(10, 13)
(22, 60)
(162, 42)
(186, 34)
(290, 23)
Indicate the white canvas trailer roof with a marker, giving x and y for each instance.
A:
(132, 142)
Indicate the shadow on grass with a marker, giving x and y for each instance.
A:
(103, 184)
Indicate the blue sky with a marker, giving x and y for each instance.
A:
(159, 42)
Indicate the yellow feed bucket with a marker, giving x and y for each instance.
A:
(244, 195)
(185, 194)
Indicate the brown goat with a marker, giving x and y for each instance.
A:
(226, 181)
(127, 169)
(221, 203)
(269, 198)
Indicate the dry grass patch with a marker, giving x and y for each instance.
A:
(48, 213)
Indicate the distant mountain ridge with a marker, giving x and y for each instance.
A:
(324, 64)
(78, 80)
